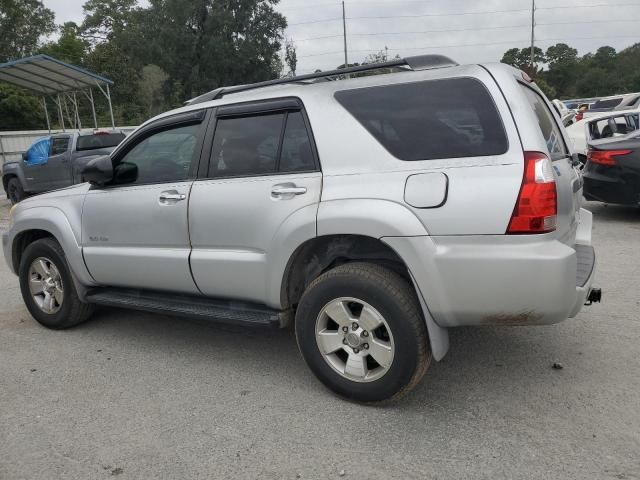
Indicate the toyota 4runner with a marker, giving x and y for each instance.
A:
(373, 213)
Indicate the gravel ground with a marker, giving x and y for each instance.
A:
(141, 396)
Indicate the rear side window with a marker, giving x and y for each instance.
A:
(59, 145)
(297, 155)
(261, 144)
(246, 146)
(548, 126)
(430, 120)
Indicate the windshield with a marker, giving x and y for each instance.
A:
(608, 104)
(100, 140)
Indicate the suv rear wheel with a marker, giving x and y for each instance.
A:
(15, 191)
(361, 331)
(47, 287)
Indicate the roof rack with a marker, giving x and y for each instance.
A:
(416, 63)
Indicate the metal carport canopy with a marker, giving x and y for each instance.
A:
(46, 75)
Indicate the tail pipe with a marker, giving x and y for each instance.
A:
(595, 296)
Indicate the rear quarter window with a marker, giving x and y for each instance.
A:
(547, 123)
(430, 120)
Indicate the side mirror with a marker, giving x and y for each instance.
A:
(98, 171)
(25, 156)
(125, 172)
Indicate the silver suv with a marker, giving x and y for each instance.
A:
(373, 213)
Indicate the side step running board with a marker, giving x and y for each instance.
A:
(225, 311)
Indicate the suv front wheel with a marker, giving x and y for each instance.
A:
(47, 287)
(360, 329)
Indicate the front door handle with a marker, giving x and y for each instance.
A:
(171, 196)
(287, 190)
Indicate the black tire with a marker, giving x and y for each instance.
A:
(15, 192)
(396, 301)
(71, 310)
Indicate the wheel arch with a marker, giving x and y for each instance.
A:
(22, 240)
(41, 222)
(320, 254)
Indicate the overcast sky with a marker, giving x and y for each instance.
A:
(452, 27)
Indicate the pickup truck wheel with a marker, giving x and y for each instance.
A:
(47, 287)
(15, 191)
(360, 330)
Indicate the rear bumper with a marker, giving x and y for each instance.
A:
(586, 270)
(500, 280)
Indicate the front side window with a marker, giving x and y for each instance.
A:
(261, 144)
(430, 120)
(59, 145)
(166, 156)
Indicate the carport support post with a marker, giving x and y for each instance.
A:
(60, 114)
(113, 123)
(93, 109)
(46, 113)
(2, 151)
(75, 105)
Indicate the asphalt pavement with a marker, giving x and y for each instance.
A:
(136, 395)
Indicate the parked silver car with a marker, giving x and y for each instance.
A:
(374, 213)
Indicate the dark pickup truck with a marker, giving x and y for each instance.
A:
(55, 162)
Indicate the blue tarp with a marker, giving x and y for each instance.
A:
(38, 153)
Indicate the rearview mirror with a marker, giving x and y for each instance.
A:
(98, 171)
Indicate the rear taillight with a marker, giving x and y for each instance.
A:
(606, 157)
(537, 205)
(579, 116)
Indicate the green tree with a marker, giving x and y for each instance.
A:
(113, 28)
(105, 19)
(521, 59)
(549, 90)
(22, 24)
(19, 110)
(204, 44)
(290, 57)
(151, 89)
(70, 47)
(563, 69)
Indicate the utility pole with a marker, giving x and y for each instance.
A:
(344, 32)
(533, 32)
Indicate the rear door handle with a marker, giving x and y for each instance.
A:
(287, 190)
(171, 196)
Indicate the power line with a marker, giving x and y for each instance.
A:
(415, 32)
(476, 44)
(457, 14)
(470, 29)
(326, 20)
(587, 21)
(590, 6)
